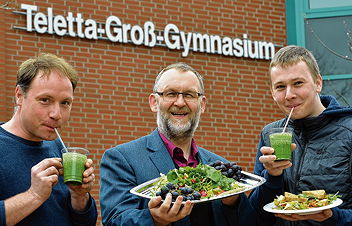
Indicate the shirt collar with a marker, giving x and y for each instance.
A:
(171, 146)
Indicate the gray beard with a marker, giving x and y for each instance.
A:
(176, 132)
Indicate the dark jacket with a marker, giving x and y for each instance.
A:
(128, 165)
(322, 160)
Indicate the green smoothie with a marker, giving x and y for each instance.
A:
(281, 142)
(74, 166)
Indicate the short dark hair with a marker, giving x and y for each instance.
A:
(45, 63)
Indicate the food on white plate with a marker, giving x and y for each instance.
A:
(305, 200)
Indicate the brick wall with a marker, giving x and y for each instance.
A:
(111, 104)
(3, 101)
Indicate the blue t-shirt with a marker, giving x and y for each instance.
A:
(17, 157)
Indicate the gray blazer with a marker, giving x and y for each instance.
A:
(130, 164)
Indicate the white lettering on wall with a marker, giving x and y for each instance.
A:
(171, 37)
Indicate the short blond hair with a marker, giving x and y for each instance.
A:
(291, 55)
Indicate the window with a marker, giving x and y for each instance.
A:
(325, 28)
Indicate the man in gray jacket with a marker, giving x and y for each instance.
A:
(178, 99)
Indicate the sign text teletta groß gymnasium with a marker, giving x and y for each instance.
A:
(116, 31)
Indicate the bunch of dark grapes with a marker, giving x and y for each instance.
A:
(187, 193)
(229, 169)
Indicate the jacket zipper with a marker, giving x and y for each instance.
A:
(300, 163)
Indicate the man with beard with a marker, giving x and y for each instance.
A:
(178, 99)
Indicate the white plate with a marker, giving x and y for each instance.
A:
(270, 208)
(250, 181)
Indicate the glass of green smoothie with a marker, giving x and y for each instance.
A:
(281, 142)
(74, 164)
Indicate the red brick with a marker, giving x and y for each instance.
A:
(115, 79)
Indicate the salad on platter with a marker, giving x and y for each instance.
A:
(201, 182)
